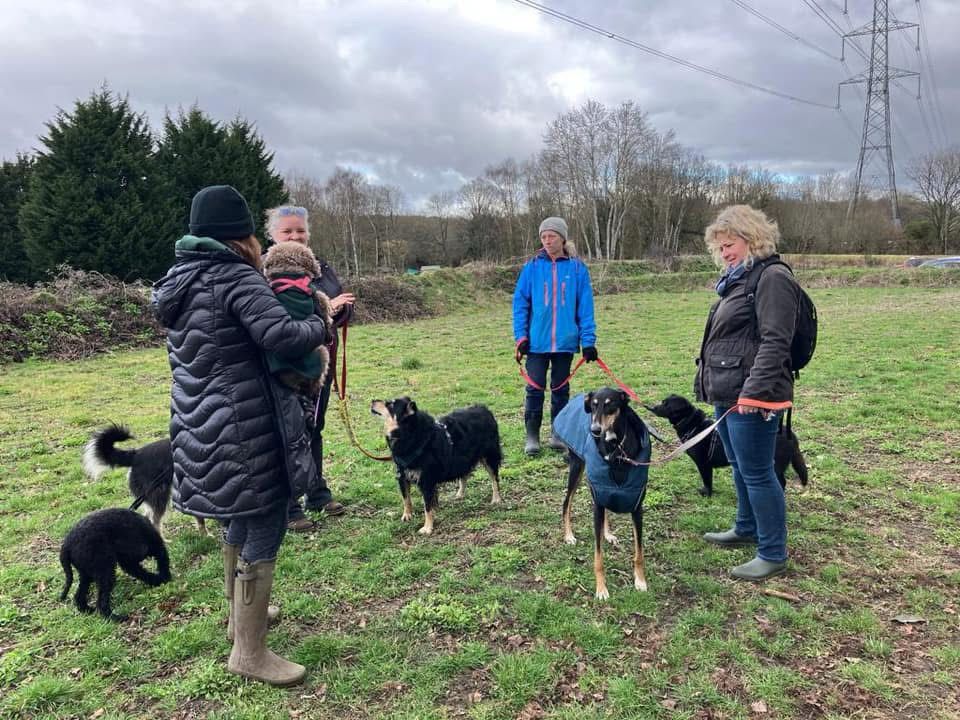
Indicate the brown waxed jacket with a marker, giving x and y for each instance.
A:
(742, 357)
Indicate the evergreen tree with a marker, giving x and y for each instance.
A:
(94, 200)
(14, 176)
(196, 151)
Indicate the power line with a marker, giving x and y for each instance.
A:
(666, 56)
(781, 28)
(823, 15)
(933, 77)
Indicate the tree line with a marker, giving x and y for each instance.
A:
(105, 193)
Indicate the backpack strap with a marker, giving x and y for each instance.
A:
(753, 277)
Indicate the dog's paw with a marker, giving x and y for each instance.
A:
(640, 584)
(570, 539)
(118, 617)
(496, 499)
(425, 530)
(611, 538)
(705, 492)
(602, 594)
(406, 517)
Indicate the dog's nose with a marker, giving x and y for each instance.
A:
(595, 428)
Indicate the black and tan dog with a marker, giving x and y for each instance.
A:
(688, 420)
(102, 540)
(151, 469)
(429, 452)
(608, 440)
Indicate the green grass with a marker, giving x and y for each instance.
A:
(493, 616)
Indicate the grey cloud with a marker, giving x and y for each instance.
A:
(420, 96)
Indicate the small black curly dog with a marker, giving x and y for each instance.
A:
(102, 540)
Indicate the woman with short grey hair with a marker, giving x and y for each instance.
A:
(291, 223)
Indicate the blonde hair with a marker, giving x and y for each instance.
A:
(274, 214)
(760, 232)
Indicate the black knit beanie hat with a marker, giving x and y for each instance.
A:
(221, 213)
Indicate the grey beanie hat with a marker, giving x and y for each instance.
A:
(557, 224)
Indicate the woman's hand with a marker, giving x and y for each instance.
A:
(340, 300)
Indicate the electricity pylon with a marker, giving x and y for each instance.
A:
(875, 144)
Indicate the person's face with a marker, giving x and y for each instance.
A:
(290, 228)
(552, 242)
(733, 248)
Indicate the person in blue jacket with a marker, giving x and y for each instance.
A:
(552, 319)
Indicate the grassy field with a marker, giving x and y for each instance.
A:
(493, 616)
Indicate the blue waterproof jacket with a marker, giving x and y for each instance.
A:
(553, 305)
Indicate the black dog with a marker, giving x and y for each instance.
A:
(613, 445)
(151, 469)
(428, 452)
(708, 454)
(101, 541)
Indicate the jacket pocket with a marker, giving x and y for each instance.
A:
(723, 377)
(563, 293)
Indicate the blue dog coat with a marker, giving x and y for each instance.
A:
(572, 426)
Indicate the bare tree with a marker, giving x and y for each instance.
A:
(441, 206)
(507, 182)
(937, 176)
(382, 204)
(346, 197)
(597, 154)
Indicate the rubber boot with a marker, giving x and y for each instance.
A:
(250, 656)
(230, 555)
(555, 443)
(532, 423)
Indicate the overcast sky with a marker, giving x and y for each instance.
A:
(425, 94)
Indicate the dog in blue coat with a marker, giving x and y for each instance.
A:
(608, 440)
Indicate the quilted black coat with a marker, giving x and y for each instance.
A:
(229, 453)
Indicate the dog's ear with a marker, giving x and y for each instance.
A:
(587, 400)
(624, 398)
(411, 407)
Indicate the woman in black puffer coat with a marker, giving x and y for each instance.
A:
(232, 449)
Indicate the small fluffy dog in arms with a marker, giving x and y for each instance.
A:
(98, 543)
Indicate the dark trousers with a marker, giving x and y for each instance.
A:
(258, 536)
(317, 492)
(537, 364)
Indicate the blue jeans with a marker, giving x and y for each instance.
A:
(537, 370)
(258, 536)
(749, 442)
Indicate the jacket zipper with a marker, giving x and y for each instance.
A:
(553, 325)
(563, 293)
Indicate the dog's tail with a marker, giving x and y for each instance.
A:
(99, 454)
(799, 464)
(67, 570)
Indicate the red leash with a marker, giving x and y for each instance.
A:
(341, 389)
(533, 383)
(600, 363)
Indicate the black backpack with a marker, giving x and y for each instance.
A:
(805, 336)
